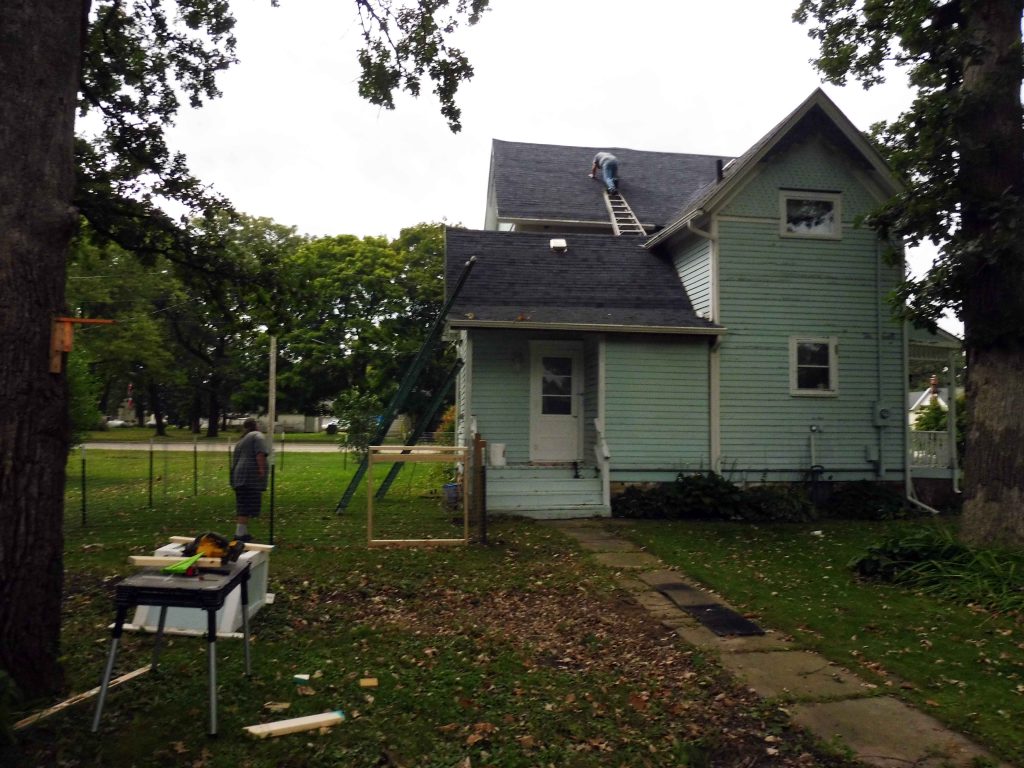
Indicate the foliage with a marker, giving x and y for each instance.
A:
(960, 663)
(934, 418)
(932, 561)
(866, 500)
(360, 412)
(709, 496)
(83, 397)
(777, 503)
(405, 42)
(364, 310)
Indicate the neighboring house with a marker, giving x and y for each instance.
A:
(720, 314)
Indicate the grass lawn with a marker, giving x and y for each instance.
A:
(520, 653)
(961, 664)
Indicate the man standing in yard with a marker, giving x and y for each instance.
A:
(248, 477)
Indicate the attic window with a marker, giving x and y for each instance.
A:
(810, 214)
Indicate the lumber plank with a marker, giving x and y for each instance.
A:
(295, 725)
(249, 545)
(158, 561)
(32, 719)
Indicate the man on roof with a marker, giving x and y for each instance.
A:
(609, 167)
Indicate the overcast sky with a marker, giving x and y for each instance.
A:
(291, 140)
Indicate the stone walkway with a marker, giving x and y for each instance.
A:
(829, 701)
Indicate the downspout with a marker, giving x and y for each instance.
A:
(908, 480)
(879, 428)
(714, 364)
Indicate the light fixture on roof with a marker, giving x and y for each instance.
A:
(559, 245)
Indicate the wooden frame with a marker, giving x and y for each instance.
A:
(436, 454)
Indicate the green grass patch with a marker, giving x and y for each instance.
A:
(520, 653)
(960, 663)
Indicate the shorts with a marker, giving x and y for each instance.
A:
(248, 502)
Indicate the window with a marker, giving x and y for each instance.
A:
(810, 214)
(813, 366)
(556, 386)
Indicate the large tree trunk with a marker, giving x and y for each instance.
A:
(40, 48)
(991, 143)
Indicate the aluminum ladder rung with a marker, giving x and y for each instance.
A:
(624, 221)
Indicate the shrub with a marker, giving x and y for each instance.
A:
(780, 503)
(932, 561)
(709, 496)
(865, 500)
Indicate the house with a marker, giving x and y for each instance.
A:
(718, 313)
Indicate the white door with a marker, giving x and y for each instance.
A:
(556, 394)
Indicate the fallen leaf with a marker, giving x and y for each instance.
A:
(276, 706)
(179, 747)
(305, 690)
(473, 738)
(527, 742)
(637, 702)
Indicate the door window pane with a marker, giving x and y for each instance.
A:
(556, 386)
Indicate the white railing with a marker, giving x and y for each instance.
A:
(930, 449)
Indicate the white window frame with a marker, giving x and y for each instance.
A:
(836, 198)
(833, 366)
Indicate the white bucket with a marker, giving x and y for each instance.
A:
(497, 454)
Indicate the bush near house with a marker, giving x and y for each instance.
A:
(709, 496)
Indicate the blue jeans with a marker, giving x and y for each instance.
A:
(610, 173)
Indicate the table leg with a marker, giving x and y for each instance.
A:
(122, 611)
(245, 625)
(211, 661)
(159, 635)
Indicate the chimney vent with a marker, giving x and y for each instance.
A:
(559, 245)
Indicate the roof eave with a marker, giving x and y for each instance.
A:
(601, 327)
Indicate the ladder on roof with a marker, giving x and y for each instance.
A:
(624, 221)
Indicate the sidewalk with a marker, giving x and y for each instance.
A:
(827, 700)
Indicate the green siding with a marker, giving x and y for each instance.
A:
(501, 391)
(656, 404)
(693, 265)
(773, 287)
(812, 165)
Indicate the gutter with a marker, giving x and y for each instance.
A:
(610, 328)
(677, 226)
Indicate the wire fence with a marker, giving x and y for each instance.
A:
(147, 493)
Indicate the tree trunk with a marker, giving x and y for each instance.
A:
(40, 47)
(991, 177)
(213, 415)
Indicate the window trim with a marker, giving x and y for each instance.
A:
(833, 366)
(836, 198)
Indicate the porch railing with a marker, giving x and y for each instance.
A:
(930, 449)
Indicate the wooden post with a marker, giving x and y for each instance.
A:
(479, 494)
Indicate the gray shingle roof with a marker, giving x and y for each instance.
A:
(544, 181)
(600, 280)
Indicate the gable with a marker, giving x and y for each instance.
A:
(812, 165)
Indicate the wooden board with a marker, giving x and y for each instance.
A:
(155, 561)
(250, 546)
(31, 719)
(295, 725)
